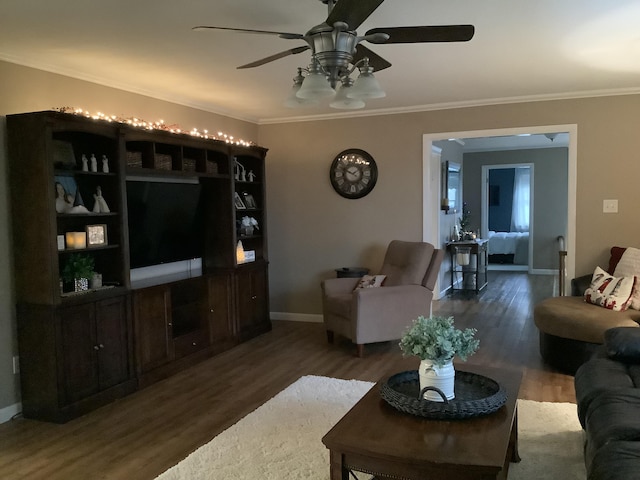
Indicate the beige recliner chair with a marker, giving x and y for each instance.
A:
(369, 315)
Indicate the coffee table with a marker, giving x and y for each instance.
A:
(375, 438)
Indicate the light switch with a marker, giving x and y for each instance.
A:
(610, 206)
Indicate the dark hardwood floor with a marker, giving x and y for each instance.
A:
(142, 435)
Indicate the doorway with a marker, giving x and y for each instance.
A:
(507, 218)
(432, 232)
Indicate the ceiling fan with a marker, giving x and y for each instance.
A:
(337, 49)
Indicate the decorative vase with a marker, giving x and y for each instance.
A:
(80, 284)
(96, 281)
(442, 378)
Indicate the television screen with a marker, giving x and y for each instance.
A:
(164, 222)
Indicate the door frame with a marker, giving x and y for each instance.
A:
(431, 183)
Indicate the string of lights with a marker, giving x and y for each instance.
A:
(159, 125)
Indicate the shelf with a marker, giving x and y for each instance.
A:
(86, 215)
(158, 172)
(89, 249)
(59, 172)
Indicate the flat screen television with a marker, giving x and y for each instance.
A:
(165, 221)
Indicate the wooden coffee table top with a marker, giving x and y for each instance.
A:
(373, 432)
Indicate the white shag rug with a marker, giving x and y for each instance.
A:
(282, 439)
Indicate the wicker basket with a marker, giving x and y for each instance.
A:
(476, 395)
(134, 159)
(212, 166)
(188, 165)
(162, 161)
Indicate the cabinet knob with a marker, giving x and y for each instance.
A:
(194, 344)
(211, 310)
(101, 346)
(96, 347)
(254, 297)
(170, 324)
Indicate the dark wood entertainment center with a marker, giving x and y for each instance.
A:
(81, 350)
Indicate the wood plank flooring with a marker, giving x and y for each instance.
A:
(142, 435)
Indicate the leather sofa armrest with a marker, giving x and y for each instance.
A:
(580, 284)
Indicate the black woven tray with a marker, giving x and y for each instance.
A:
(475, 395)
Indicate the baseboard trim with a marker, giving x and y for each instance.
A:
(544, 271)
(296, 317)
(7, 413)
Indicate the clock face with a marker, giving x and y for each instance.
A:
(353, 173)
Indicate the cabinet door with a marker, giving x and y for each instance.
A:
(112, 341)
(221, 328)
(78, 362)
(251, 308)
(152, 317)
(189, 315)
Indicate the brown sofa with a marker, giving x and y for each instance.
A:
(369, 315)
(572, 330)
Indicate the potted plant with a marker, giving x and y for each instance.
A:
(435, 340)
(77, 270)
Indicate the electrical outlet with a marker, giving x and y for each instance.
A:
(16, 364)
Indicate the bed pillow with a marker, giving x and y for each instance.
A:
(371, 281)
(627, 266)
(610, 292)
(623, 344)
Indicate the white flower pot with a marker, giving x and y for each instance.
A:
(443, 378)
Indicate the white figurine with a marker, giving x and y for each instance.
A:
(85, 163)
(94, 163)
(101, 205)
(105, 164)
(251, 176)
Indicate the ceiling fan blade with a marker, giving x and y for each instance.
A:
(435, 33)
(277, 56)
(376, 61)
(285, 35)
(352, 12)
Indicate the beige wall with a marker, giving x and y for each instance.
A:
(312, 230)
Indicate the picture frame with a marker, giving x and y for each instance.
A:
(63, 155)
(249, 201)
(96, 235)
(238, 202)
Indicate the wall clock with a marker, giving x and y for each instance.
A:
(353, 173)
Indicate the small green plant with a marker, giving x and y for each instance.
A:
(78, 265)
(465, 219)
(436, 339)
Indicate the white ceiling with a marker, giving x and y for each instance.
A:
(539, 49)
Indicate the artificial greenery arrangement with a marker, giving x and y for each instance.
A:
(78, 265)
(436, 339)
(465, 219)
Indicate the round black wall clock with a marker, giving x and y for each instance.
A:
(353, 173)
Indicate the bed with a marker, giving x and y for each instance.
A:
(508, 247)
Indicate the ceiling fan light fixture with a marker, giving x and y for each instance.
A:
(315, 85)
(293, 101)
(342, 100)
(366, 85)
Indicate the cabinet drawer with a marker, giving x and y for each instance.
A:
(190, 342)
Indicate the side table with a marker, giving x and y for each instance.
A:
(468, 265)
(351, 272)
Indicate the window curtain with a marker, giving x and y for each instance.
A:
(521, 195)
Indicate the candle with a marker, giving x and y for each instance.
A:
(240, 253)
(76, 240)
(462, 258)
